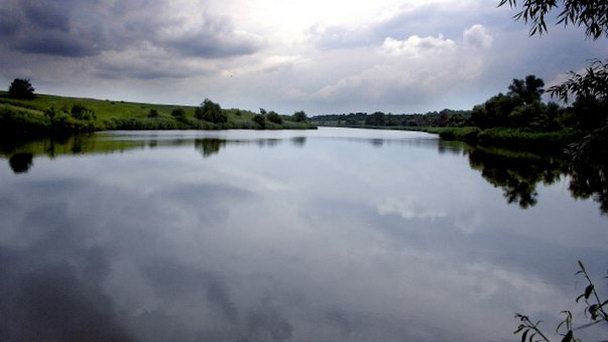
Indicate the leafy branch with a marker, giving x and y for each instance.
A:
(590, 14)
(530, 331)
(593, 83)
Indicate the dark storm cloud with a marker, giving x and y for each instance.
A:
(146, 70)
(212, 42)
(50, 43)
(46, 15)
(70, 28)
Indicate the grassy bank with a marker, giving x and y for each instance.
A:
(33, 117)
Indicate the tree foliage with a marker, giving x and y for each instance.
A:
(260, 119)
(274, 117)
(520, 107)
(211, 112)
(179, 114)
(299, 116)
(592, 15)
(376, 119)
(81, 112)
(21, 89)
(593, 83)
(528, 90)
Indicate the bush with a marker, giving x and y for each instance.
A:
(211, 112)
(179, 114)
(153, 113)
(272, 116)
(299, 116)
(80, 112)
(259, 119)
(21, 89)
(468, 134)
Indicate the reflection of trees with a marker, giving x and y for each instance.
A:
(591, 181)
(209, 147)
(298, 141)
(377, 142)
(517, 174)
(21, 162)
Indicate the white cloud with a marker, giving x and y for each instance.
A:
(478, 37)
(415, 46)
(410, 208)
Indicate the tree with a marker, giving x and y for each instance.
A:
(153, 113)
(593, 83)
(273, 116)
(299, 116)
(211, 112)
(21, 89)
(376, 119)
(592, 15)
(529, 90)
(81, 112)
(260, 119)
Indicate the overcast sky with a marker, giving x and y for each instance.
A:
(322, 56)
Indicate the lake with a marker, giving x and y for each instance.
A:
(326, 235)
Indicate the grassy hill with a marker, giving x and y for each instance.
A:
(32, 116)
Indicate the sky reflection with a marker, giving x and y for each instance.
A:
(323, 238)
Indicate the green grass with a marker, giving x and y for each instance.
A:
(28, 115)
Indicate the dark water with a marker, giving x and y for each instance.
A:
(328, 235)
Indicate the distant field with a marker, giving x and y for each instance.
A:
(111, 114)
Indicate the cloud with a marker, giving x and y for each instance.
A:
(413, 70)
(410, 208)
(415, 46)
(477, 37)
(77, 29)
(46, 15)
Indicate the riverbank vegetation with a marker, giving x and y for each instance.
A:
(515, 119)
(34, 114)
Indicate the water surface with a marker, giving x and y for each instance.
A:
(328, 235)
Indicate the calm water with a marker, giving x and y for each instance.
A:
(328, 235)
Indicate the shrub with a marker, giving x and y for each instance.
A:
(21, 89)
(153, 113)
(211, 112)
(299, 116)
(80, 112)
(272, 116)
(260, 119)
(179, 114)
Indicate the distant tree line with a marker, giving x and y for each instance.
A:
(443, 118)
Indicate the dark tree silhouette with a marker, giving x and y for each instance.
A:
(211, 112)
(592, 15)
(21, 162)
(273, 116)
(260, 119)
(299, 116)
(21, 89)
(376, 119)
(528, 90)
